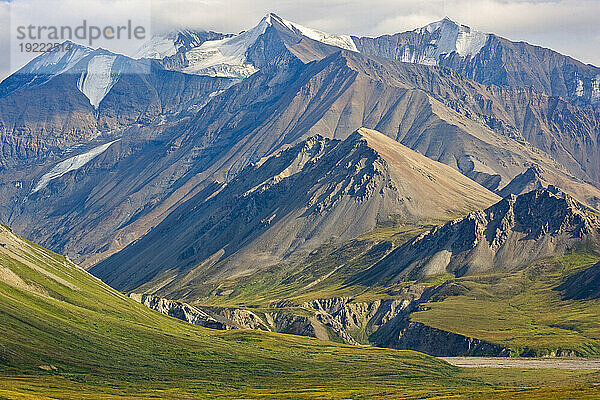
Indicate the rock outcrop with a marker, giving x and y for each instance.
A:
(512, 233)
(181, 311)
(383, 323)
(436, 342)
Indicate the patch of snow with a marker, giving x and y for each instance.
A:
(449, 37)
(595, 89)
(342, 41)
(215, 93)
(97, 81)
(579, 88)
(470, 43)
(409, 55)
(71, 164)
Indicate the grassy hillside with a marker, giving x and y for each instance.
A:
(522, 310)
(65, 335)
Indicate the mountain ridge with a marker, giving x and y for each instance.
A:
(512, 233)
(297, 207)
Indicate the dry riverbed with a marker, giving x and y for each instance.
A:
(536, 363)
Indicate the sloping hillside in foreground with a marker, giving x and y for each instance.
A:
(66, 335)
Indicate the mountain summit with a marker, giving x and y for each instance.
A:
(234, 56)
(489, 59)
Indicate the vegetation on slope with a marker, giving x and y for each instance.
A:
(322, 274)
(66, 335)
(521, 310)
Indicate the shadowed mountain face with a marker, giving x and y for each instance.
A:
(292, 203)
(583, 285)
(512, 233)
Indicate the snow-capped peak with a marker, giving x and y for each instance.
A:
(225, 55)
(342, 41)
(447, 36)
(45, 67)
(432, 27)
(56, 62)
(167, 44)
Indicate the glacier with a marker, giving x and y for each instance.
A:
(71, 164)
(96, 82)
(225, 57)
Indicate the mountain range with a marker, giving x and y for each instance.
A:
(356, 179)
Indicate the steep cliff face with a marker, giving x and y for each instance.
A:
(181, 311)
(383, 323)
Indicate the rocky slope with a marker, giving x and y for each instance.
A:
(512, 233)
(290, 204)
(302, 87)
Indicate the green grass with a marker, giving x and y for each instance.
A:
(521, 310)
(95, 343)
(322, 274)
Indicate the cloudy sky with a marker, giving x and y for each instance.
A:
(568, 26)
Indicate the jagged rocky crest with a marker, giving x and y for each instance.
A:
(510, 234)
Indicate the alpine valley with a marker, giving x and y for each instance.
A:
(385, 200)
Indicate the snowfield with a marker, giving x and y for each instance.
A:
(71, 164)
